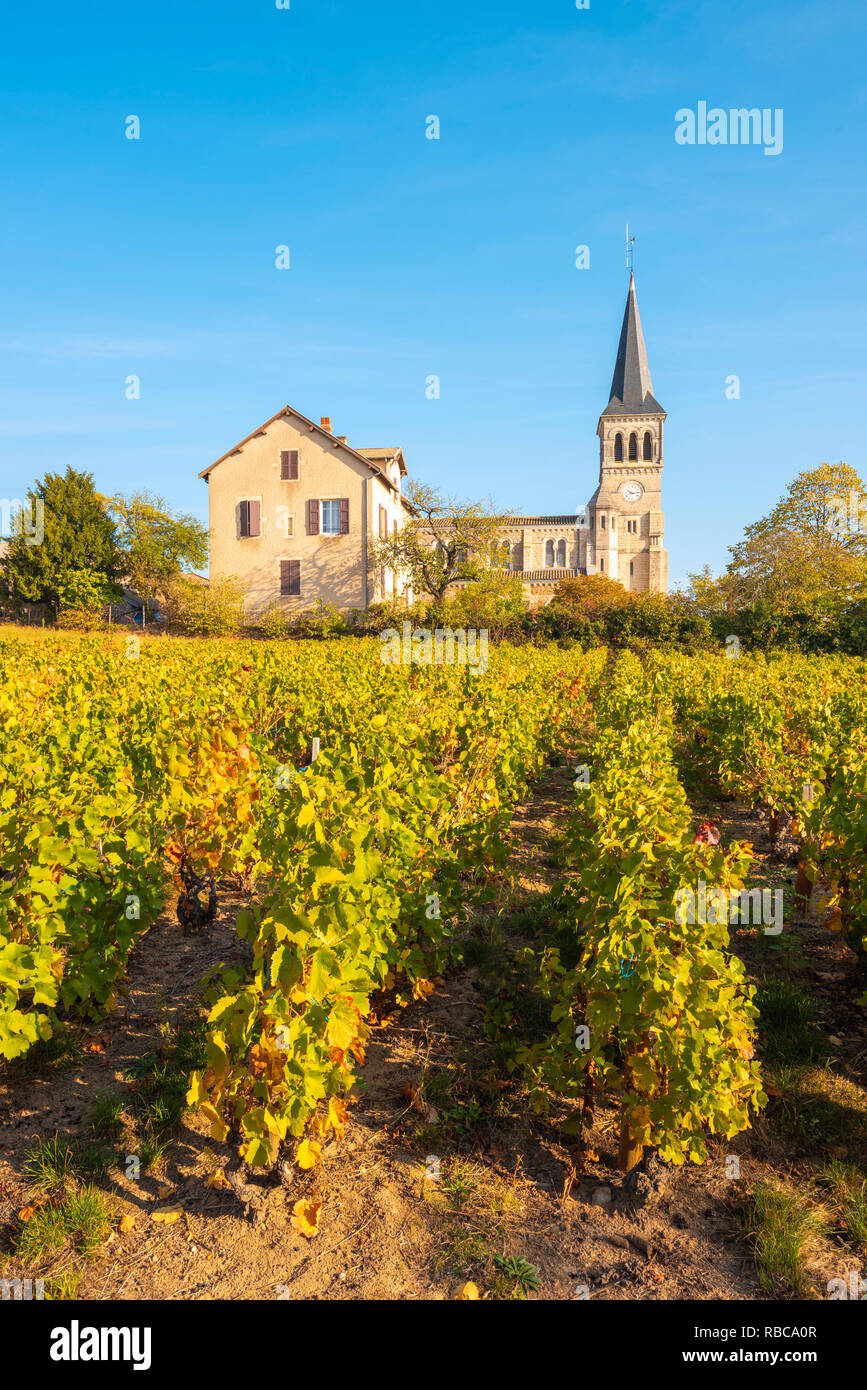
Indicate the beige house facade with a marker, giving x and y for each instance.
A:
(292, 510)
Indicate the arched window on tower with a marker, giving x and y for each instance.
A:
(648, 445)
(561, 554)
(549, 555)
(618, 448)
(506, 555)
(633, 445)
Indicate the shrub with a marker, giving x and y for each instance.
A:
(274, 622)
(79, 619)
(215, 609)
(322, 620)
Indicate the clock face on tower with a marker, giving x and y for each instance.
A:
(632, 491)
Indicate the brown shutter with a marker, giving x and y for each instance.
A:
(344, 516)
(289, 465)
(313, 516)
(255, 518)
(290, 577)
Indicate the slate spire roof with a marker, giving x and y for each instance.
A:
(631, 387)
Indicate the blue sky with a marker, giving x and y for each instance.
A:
(410, 257)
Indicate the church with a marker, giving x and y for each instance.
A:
(293, 507)
(620, 532)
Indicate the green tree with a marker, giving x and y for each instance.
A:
(809, 554)
(442, 542)
(709, 595)
(591, 595)
(156, 545)
(65, 531)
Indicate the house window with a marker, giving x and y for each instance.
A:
(602, 563)
(332, 517)
(631, 568)
(290, 577)
(648, 446)
(618, 448)
(250, 518)
(561, 554)
(289, 465)
(549, 555)
(633, 446)
(602, 522)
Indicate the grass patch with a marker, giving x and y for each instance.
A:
(50, 1163)
(778, 1225)
(848, 1189)
(787, 1023)
(63, 1286)
(79, 1220)
(107, 1114)
(817, 1107)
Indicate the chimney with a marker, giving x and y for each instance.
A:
(325, 422)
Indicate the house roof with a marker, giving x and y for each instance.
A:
(369, 457)
(631, 387)
(386, 456)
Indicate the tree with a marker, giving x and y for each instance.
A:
(211, 609)
(809, 554)
(709, 595)
(442, 542)
(591, 595)
(65, 530)
(155, 544)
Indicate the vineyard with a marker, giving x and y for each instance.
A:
(333, 842)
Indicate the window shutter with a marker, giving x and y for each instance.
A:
(313, 516)
(344, 516)
(289, 465)
(290, 577)
(244, 518)
(255, 518)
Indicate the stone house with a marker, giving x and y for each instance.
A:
(292, 509)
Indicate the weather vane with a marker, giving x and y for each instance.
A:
(630, 242)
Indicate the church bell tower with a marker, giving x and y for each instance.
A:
(624, 515)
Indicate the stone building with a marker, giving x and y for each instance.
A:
(620, 532)
(293, 508)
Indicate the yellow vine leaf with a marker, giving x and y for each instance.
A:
(126, 1223)
(168, 1216)
(305, 1217)
(309, 1153)
(469, 1292)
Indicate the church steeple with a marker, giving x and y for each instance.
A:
(631, 387)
